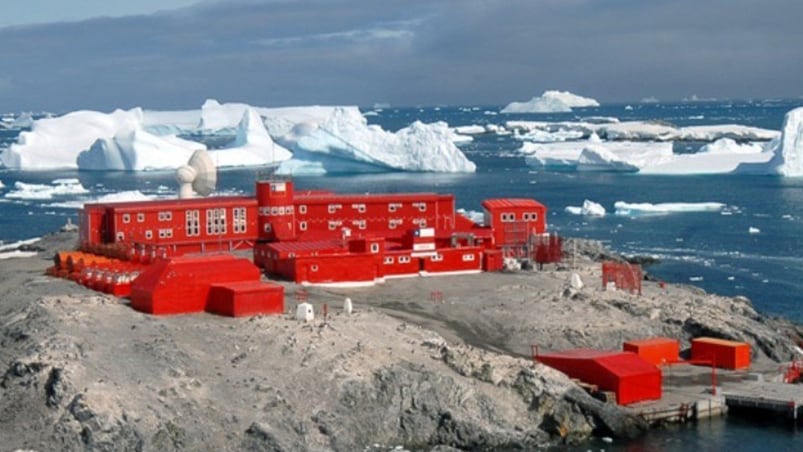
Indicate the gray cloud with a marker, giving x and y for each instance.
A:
(407, 52)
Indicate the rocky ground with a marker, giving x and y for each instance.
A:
(83, 371)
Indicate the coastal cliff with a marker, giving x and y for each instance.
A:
(82, 370)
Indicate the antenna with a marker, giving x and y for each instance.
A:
(198, 176)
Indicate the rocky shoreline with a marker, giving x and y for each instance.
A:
(82, 370)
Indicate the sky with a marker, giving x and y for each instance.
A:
(173, 54)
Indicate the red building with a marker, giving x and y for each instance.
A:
(320, 237)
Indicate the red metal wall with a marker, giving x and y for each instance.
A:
(658, 350)
(723, 353)
(181, 285)
(246, 298)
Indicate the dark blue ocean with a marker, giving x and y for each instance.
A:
(712, 250)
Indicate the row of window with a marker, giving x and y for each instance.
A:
(511, 216)
(361, 208)
(275, 210)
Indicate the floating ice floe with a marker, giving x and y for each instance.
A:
(58, 187)
(753, 230)
(643, 209)
(589, 208)
(551, 102)
(783, 155)
(123, 196)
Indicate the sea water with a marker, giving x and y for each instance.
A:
(713, 250)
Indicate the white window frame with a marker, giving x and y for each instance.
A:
(240, 225)
(374, 248)
(302, 225)
(126, 218)
(193, 223)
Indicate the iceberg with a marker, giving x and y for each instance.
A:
(642, 209)
(345, 142)
(720, 157)
(54, 143)
(122, 196)
(551, 102)
(638, 131)
(589, 208)
(252, 146)
(137, 150)
(787, 151)
(596, 155)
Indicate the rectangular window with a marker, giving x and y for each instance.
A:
(240, 220)
(165, 216)
(126, 218)
(468, 257)
(404, 259)
(302, 209)
(216, 221)
(302, 226)
(394, 206)
(437, 258)
(388, 260)
(193, 223)
(333, 207)
(148, 234)
(140, 217)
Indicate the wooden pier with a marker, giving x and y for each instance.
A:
(763, 395)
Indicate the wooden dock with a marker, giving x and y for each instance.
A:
(763, 395)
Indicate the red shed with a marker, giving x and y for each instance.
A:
(514, 220)
(656, 350)
(630, 377)
(245, 298)
(181, 285)
(722, 353)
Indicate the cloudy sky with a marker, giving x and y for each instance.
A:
(163, 54)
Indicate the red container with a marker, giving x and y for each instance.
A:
(181, 284)
(656, 350)
(630, 377)
(246, 298)
(720, 352)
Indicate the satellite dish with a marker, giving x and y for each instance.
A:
(199, 175)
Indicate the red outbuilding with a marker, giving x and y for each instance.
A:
(181, 285)
(626, 374)
(657, 350)
(720, 352)
(244, 298)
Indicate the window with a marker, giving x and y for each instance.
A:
(126, 218)
(165, 216)
(302, 225)
(120, 236)
(216, 221)
(314, 267)
(149, 234)
(165, 233)
(302, 209)
(420, 222)
(193, 223)
(268, 227)
(530, 216)
(508, 217)
(240, 220)
(468, 257)
(334, 224)
(392, 207)
(360, 224)
(437, 258)
(333, 207)
(388, 260)
(358, 207)
(140, 217)
(404, 259)
(421, 206)
(374, 248)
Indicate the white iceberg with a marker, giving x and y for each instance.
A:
(637, 131)
(720, 157)
(253, 146)
(54, 143)
(589, 208)
(137, 150)
(642, 209)
(787, 152)
(123, 196)
(345, 142)
(753, 230)
(595, 155)
(551, 102)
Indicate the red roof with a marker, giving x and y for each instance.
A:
(518, 203)
(625, 364)
(169, 204)
(307, 246)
